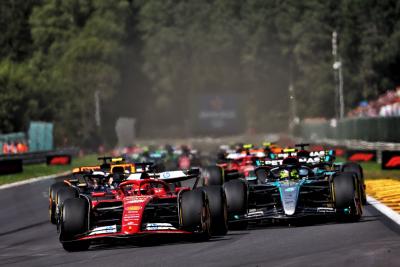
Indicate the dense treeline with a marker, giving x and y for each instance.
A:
(148, 58)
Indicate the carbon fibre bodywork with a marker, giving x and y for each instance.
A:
(134, 212)
(294, 198)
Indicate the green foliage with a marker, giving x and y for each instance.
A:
(56, 53)
(78, 44)
(15, 37)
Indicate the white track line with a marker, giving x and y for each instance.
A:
(33, 180)
(391, 214)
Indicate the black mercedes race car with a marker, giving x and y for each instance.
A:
(288, 189)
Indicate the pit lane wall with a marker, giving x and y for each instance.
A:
(379, 129)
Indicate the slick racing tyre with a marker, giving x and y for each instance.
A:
(194, 212)
(236, 199)
(74, 221)
(356, 168)
(62, 195)
(213, 175)
(53, 189)
(218, 209)
(345, 196)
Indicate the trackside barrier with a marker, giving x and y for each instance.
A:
(39, 157)
(379, 129)
(59, 159)
(390, 160)
(361, 155)
(10, 166)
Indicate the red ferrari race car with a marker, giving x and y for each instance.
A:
(146, 204)
(238, 164)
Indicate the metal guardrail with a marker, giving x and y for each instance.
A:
(40, 157)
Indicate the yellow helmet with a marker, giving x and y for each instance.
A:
(294, 174)
(284, 174)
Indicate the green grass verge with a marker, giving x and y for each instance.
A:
(36, 170)
(373, 170)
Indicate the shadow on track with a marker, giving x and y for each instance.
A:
(307, 222)
(27, 227)
(140, 242)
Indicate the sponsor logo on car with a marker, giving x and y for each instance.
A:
(159, 226)
(290, 189)
(254, 213)
(133, 208)
(104, 230)
(273, 162)
(130, 217)
(137, 199)
(323, 209)
(310, 160)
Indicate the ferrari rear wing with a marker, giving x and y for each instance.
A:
(168, 176)
(143, 166)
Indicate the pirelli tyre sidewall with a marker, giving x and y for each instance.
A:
(218, 209)
(53, 189)
(236, 196)
(236, 192)
(62, 195)
(75, 216)
(194, 213)
(213, 175)
(346, 196)
(357, 169)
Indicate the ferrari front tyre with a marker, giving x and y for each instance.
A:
(213, 175)
(346, 197)
(62, 195)
(74, 222)
(218, 209)
(76, 245)
(195, 213)
(53, 189)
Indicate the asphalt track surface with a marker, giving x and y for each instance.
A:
(28, 239)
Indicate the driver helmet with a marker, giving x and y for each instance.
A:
(294, 174)
(145, 189)
(284, 174)
(303, 172)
